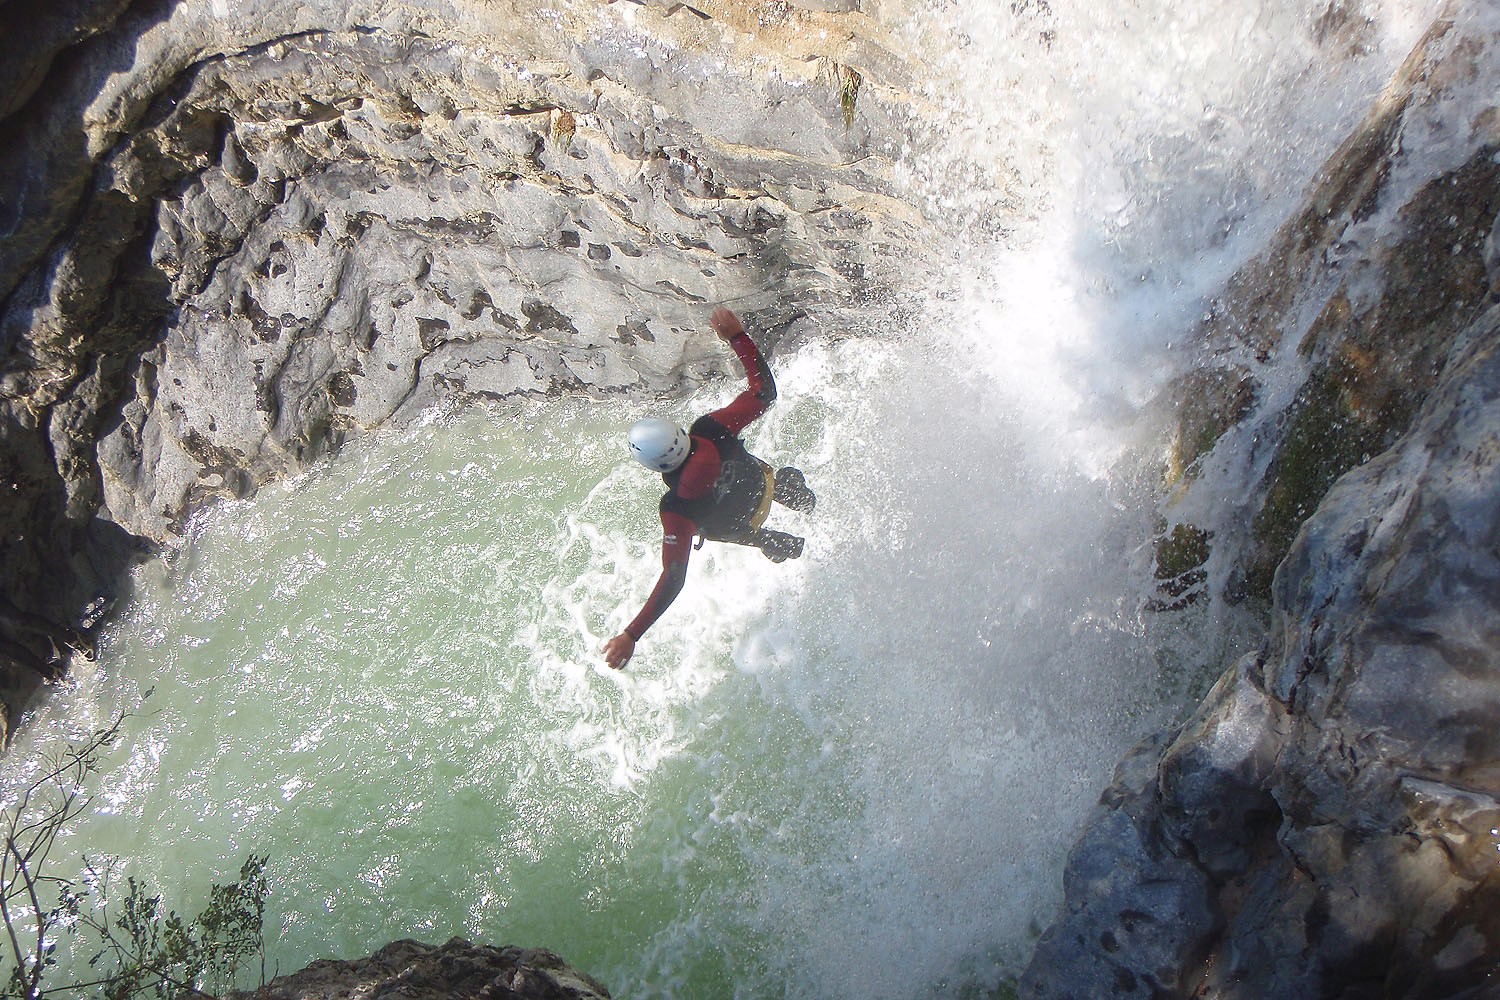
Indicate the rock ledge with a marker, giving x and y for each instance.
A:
(455, 970)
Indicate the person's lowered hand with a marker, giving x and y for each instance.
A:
(619, 650)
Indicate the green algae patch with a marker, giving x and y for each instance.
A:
(1324, 440)
(1207, 403)
(1181, 559)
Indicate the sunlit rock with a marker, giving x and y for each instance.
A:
(233, 239)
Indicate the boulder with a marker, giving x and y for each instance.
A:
(457, 970)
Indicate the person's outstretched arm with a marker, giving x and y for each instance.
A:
(676, 547)
(761, 393)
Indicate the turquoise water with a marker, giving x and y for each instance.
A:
(852, 775)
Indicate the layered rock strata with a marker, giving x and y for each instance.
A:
(233, 237)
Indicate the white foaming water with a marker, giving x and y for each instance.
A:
(855, 775)
(852, 775)
(1104, 168)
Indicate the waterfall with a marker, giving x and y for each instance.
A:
(853, 775)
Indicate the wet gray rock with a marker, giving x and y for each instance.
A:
(1137, 912)
(456, 970)
(1327, 823)
(1369, 281)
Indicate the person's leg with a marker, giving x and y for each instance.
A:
(777, 546)
(791, 491)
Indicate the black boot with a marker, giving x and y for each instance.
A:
(777, 546)
(791, 491)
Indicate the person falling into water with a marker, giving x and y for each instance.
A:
(715, 488)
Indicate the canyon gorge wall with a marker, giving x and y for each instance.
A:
(234, 239)
(1327, 823)
(231, 241)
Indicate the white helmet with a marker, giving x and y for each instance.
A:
(659, 445)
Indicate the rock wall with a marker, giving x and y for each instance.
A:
(235, 234)
(1326, 824)
(1322, 350)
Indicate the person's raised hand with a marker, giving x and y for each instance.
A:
(726, 324)
(619, 650)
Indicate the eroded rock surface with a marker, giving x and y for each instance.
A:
(231, 241)
(457, 970)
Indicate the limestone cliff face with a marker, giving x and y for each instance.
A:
(1326, 824)
(234, 234)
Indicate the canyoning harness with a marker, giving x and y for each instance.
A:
(757, 516)
(741, 496)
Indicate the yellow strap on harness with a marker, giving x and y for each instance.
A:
(763, 509)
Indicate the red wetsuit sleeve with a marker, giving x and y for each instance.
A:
(758, 397)
(676, 547)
